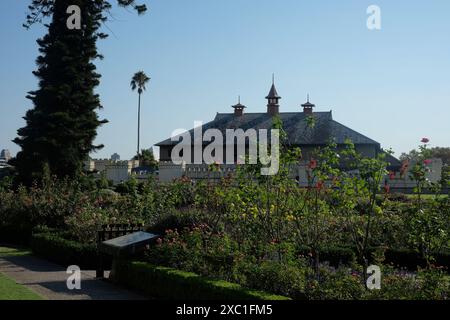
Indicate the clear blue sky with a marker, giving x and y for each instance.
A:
(392, 85)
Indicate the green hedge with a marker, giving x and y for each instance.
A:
(54, 247)
(171, 284)
(411, 259)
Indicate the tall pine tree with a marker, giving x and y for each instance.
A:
(62, 126)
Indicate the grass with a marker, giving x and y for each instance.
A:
(426, 196)
(9, 289)
(13, 252)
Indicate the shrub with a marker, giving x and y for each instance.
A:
(335, 284)
(272, 276)
(177, 219)
(172, 284)
(335, 256)
(54, 247)
(12, 234)
(195, 249)
(429, 284)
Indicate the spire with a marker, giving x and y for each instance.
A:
(273, 94)
(273, 99)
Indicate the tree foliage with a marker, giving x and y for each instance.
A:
(62, 125)
(147, 158)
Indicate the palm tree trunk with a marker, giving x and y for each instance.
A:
(139, 126)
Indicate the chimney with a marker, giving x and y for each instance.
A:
(308, 107)
(238, 108)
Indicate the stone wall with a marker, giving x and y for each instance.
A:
(405, 182)
(116, 171)
(169, 171)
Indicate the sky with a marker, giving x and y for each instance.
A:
(392, 85)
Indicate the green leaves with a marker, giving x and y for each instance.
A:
(429, 229)
(61, 127)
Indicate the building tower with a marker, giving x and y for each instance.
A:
(238, 108)
(273, 107)
(308, 107)
(5, 154)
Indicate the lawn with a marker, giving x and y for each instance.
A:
(427, 196)
(8, 252)
(9, 289)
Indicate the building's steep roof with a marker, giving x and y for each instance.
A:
(273, 94)
(393, 162)
(294, 123)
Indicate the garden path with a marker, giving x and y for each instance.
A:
(49, 280)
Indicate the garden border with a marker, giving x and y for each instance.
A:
(172, 284)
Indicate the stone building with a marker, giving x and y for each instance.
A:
(116, 171)
(307, 129)
(5, 155)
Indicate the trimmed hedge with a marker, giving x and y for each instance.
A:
(171, 284)
(54, 247)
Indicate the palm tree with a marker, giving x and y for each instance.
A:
(138, 82)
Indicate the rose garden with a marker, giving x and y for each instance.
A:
(335, 232)
(252, 232)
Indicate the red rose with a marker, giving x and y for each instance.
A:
(427, 162)
(312, 164)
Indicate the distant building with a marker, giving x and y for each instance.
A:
(116, 171)
(115, 157)
(300, 133)
(5, 168)
(403, 183)
(5, 155)
(143, 173)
